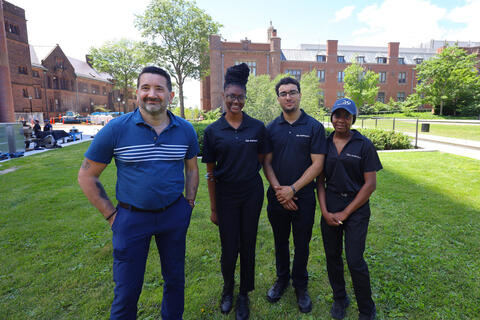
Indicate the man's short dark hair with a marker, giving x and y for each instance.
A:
(287, 80)
(159, 71)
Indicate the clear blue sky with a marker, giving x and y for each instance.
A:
(78, 25)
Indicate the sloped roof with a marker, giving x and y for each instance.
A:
(309, 52)
(82, 68)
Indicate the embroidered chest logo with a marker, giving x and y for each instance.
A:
(251, 140)
(353, 156)
(302, 136)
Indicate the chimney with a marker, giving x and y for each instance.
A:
(332, 47)
(393, 49)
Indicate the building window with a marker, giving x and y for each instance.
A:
(361, 59)
(252, 65)
(12, 28)
(401, 96)
(71, 85)
(321, 75)
(340, 76)
(63, 84)
(296, 73)
(38, 93)
(321, 58)
(49, 82)
(25, 92)
(381, 60)
(401, 60)
(402, 77)
(341, 59)
(55, 83)
(82, 87)
(340, 95)
(381, 97)
(35, 74)
(95, 89)
(382, 77)
(22, 70)
(104, 91)
(418, 60)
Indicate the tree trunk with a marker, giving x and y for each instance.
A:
(125, 99)
(441, 107)
(180, 95)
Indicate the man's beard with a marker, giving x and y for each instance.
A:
(154, 109)
(290, 110)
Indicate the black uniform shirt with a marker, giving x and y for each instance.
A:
(344, 172)
(292, 146)
(234, 151)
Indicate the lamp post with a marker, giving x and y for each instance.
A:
(118, 99)
(124, 110)
(91, 107)
(31, 108)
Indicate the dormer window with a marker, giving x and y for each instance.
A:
(321, 58)
(361, 59)
(381, 60)
(341, 59)
(401, 60)
(418, 60)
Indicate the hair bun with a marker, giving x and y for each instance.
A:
(237, 74)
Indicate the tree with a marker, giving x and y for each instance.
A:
(121, 59)
(311, 98)
(261, 97)
(360, 85)
(449, 79)
(177, 33)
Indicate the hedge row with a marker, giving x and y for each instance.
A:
(382, 140)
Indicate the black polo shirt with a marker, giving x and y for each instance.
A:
(292, 146)
(344, 172)
(234, 151)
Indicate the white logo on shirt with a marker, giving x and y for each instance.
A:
(251, 140)
(353, 156)
(302, 136)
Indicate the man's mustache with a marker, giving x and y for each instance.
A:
(151, 100)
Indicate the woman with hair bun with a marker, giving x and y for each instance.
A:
(234, 148)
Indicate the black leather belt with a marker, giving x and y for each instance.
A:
(133, 208)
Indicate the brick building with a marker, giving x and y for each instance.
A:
(54, 83)
(394, 64)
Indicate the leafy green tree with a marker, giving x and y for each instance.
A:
(122, 60)
(311, 95)
(360, 85)
(449, 79)
(177, 33)
(262, 101)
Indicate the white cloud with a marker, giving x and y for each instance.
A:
(410, 22)
(343, 13)
(469, 20)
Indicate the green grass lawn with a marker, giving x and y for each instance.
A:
(421, 115)
(422, 248)
(469, 132)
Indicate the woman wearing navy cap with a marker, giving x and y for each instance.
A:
(344, 188)
(233, 151)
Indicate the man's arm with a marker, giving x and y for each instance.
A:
(191, 180)
(286, 193)
(88, 179)
(272, 179)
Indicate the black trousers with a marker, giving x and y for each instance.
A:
(300, 222)
(355, 231)
(238, 210)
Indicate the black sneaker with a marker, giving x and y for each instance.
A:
(226, 302)
(242, 308)
(276, 291)
(303, 300)
(339, 307)
(371, 316)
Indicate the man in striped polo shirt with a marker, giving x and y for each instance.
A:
(152, 149)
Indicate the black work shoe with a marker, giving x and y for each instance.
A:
(339, 307)
(371, 316)
(276, 291)
(242, 309)
(303, 300)
(226, 303)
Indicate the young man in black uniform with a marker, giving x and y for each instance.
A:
(297, 150)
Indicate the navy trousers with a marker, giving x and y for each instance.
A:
(238, 210)
(355, 231)
(132, 233)
(300, 223)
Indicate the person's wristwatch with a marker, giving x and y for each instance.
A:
(191, 202)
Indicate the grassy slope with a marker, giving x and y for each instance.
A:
(422, 247)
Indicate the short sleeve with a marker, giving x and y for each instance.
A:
(263, 141)
(208, 146)
(193, 148)
(370, 158)
(318, 142)
(101, 148)
(268, 139)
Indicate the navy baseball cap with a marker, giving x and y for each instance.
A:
(346, 104)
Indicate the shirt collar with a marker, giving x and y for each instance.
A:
(301, 120)
(137, 117)
(356, 135)
(225, 125)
